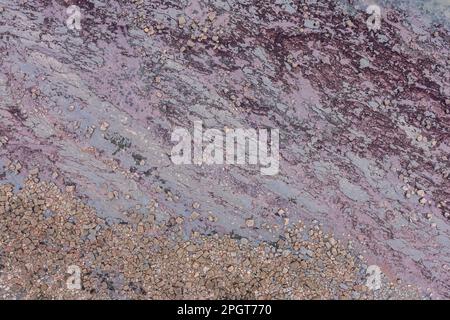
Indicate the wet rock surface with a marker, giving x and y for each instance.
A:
(364, 122)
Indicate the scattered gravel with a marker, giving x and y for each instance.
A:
(44, 231)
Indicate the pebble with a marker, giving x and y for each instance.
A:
(150, 31)
(332, 241)
(194, 215)
(104, 126)
(211, 16)
(190, 248)
(181, 21)
(190, 43)
(420, 193)
(179, 220)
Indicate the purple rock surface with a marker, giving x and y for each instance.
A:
(363, 116)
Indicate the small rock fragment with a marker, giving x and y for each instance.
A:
(250, 223)
(211, 16)
(194, 215)
(104, 126)
(181, 21)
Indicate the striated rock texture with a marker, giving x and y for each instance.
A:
(364, 117)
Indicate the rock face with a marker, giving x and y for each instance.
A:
(363, 116)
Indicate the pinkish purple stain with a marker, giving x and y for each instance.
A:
(349, 104)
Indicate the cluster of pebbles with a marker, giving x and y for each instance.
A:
(44, 231)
